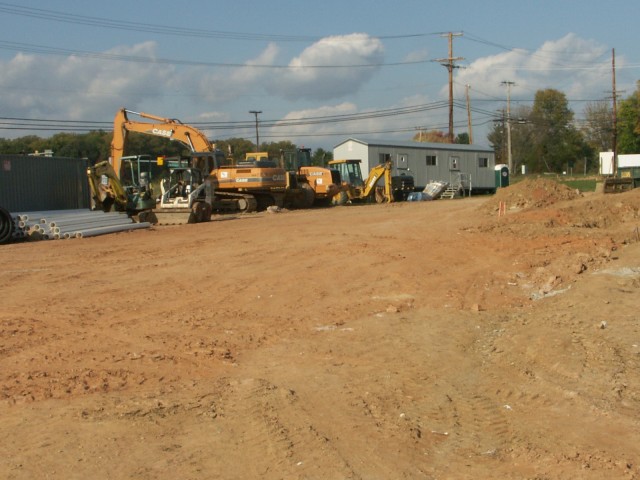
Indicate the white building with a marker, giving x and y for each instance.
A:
(472, 166)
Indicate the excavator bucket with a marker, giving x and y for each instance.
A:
(200, 212)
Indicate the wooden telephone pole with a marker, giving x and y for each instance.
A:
(449, 63)
(469, 117)
(615, 114)
(509, 155)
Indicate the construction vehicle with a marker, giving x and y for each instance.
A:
(242, 188)
(618, 184)
(624, 179)
(621, 172)
(355, 189)
(108, 194)
(185, 194)
(302, 176)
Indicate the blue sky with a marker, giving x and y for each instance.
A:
(318, 71)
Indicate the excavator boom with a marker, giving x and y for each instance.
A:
(171, 129)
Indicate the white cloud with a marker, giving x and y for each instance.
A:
(572, 65)
(341, 77)
(283, 132)
(417, 56)
(79, 87)
(229, 84)
(298, 79)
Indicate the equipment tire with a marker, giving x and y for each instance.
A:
(340, 198)
(309, 195)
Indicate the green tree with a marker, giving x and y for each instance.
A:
(320, 157)
(557, 143)
(462, 138)
(275, 148)
(236, 147)
(497, 138)
(629, 123)
(521, 137)
(598, 126)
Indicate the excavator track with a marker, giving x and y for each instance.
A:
(234, 202)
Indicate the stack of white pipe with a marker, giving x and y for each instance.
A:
(62, 224)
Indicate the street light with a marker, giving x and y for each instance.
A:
(256, 112)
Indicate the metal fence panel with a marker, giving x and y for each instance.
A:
(31, 183)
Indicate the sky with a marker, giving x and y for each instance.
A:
(318, 72)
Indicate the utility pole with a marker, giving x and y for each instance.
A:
(615, 114)
(256, 112)
(449, 63)
(510, 158)
(469, 117)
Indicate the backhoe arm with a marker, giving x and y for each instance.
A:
(378, 172)
(106, 195)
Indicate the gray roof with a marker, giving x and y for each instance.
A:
(418, 145)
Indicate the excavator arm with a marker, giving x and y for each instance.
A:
(170, 128)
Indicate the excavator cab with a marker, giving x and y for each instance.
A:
(136, 175)
(207, 162)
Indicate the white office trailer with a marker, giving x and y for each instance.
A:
(472, 167)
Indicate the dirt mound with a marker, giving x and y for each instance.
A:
(531, 193)
(605, 211)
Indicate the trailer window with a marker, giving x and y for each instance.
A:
(483, 162)
(384, 157)
(432, 161)
(453, 163)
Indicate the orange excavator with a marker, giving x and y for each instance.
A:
(243, 188)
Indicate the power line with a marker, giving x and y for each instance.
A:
(43, 49)
(57, 16)
(22, 123)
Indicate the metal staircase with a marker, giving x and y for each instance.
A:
(451, 191)
(459, 183)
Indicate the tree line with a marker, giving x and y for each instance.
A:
(544, 137)
(95, 146)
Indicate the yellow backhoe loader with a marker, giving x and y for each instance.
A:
(355, 189)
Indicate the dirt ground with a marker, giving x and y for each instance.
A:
(432, 340)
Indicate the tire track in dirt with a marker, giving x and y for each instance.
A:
(271, 418)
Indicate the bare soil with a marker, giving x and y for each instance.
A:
(412, 340)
